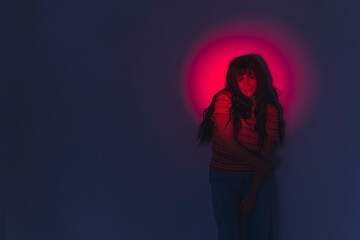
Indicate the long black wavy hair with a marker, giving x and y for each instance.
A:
(265, 93)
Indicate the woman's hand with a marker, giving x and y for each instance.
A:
(247, 205)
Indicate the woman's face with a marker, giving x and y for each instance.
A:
(246, 82)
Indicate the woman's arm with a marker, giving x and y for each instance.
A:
(259, 176)
(249, 201)
(235, 148)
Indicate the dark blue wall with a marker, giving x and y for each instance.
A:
(88, 151)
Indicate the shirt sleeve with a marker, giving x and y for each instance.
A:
(222, 104)
(272, 123)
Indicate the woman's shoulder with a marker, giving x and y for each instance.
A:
(222, 102)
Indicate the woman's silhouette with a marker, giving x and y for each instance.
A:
(244, 122)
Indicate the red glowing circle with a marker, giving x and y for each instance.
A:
(286, 54)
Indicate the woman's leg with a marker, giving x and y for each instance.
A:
(259, 222)
(226, 201)
(227, 191)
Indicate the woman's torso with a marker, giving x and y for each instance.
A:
(221, 159)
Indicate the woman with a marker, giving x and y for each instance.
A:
(244, 122)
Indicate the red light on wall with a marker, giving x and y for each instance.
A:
(286, 54)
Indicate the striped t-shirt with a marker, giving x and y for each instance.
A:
(221, 159)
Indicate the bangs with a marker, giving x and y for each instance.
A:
(243, 71)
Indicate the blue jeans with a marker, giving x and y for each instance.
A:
(227, 190)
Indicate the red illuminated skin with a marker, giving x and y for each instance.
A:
(247, 83)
